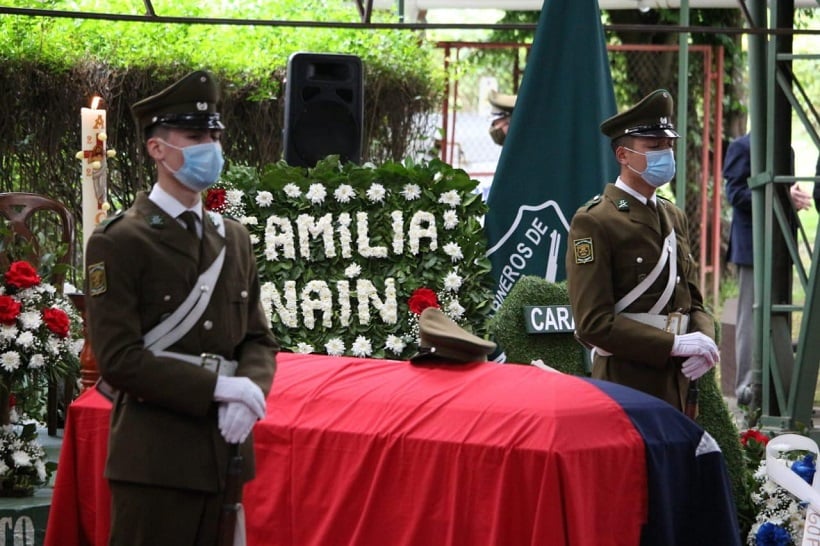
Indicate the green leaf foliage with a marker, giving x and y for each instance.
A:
(560, 351)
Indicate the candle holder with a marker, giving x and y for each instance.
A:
(89, 372)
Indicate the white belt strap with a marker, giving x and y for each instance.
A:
(180, 322)
(670, 249)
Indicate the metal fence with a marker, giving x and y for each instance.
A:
(464, 140)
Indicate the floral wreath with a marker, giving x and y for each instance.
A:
(348, 256)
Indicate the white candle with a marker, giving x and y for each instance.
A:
(94, 181)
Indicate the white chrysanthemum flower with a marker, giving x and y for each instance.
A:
(30, 320)
(10, 361)
(450, 218)
(36, 361)
(453, 250)
(316, 193)
(264, 198)
(361, 347)
(292, 190)
(21, 458)
(344, 193)
(352, 271)
(3, 468)
(304, 348)
(450, 198)
(438, 176)
(395, 344)
(453, 281)
(335, 347)
(255, 239)
(455, 310)
(40, 467)
(25, 340)
(411, 192)
(248, 221)
(53, 345)
(376, 192)
(234, 197)
(8, 332)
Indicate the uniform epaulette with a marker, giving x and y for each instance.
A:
(592, 202)
(104, 224)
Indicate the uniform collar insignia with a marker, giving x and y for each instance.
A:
(155, 220)
(623, 204)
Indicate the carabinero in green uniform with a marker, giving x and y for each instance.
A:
(632, 280)
(177, 329)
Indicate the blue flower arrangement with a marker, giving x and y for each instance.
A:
(780, 515)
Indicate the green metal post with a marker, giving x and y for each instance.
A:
(683, 103)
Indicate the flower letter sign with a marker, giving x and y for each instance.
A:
(342, 250)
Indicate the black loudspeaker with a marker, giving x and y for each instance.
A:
(323, 108)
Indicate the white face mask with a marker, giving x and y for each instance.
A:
(660, 166)
(202, 164)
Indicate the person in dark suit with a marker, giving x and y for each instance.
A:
(632, 281)
(191, 380)
(737, 167)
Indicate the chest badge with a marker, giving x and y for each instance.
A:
(584, 253)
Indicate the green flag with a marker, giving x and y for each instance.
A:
(554, 158)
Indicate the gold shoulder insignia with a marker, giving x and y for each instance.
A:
(97, 283)
(584, 253)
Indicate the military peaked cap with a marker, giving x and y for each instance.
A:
(442, 340)
(502, 104)
(651, 117)
(190, 103)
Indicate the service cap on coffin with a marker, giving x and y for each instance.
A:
(651, 117)
(189, 103)
(442, 340)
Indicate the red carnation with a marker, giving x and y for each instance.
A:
(9, 309)
(22, 275)
(421, 299)
(215, 199)
(57, 321)
(755, 435)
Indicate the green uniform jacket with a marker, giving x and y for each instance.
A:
(140, 267)
(614, 242)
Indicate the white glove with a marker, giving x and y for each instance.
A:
(696, 344)
(236, 421)
(240, 389)
(695, 366)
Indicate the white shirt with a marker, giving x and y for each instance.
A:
(174, 208)
(622, 185)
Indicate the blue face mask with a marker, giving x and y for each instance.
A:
(660, 166)
(201, 166)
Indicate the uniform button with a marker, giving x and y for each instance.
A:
(639, 260)
(244, 293)
(641, 277)
(166, 297)
(678, 279)
(204, 288)
(208, 325)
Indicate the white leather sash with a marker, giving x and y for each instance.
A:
(184, 317)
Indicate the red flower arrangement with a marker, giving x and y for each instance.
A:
(421, 299)
(36, 325)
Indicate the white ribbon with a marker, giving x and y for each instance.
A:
(786, 478)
